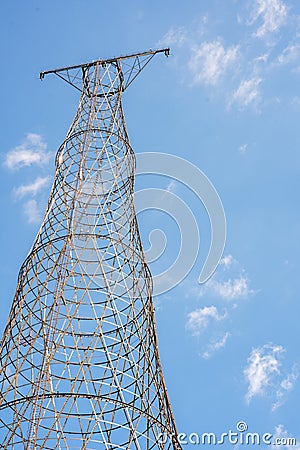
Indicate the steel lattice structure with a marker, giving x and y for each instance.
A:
(80, 367)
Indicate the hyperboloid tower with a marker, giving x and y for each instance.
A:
(80, 367)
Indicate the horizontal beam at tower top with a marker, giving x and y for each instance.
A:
(140, 60)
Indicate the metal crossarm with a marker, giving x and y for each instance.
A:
(131, 66)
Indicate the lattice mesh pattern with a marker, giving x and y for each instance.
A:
(79, 360)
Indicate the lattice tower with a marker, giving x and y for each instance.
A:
(80, 367)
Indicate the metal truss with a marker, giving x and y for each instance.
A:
(80, 367)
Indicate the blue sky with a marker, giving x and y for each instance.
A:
(227, 100)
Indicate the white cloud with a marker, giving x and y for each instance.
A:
(295, 101)
(247, 92)
(238, 66)
(272, 13)
(174, 36)
(215, 345)
(289, 54)
(199, 319)
(286, 385)
(243, 148)
(263, 374)
(287, 441)
(209, 62)
(32, 212)
(262, 58)
(31, 151)
(209, 321)
(33, 188)
(263, 364)
(227, 261)
(231, 289)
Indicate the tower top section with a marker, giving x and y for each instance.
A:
(128, 66)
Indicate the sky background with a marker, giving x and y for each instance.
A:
(227, 99)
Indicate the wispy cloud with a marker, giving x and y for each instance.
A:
(176, 36)
(290, 442)
(32, 188)
(210, 61)
(199, 319)
(227, 261)
(240, 69)
(208, 321)
(264, 374)
(247, 92)
(232, 289)
(286, 385)
(271, 13)
(243, 148)
(263, 363)
(215, 345)
(235, 287)
(32, 212)
(289, 54)
(31, 151)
